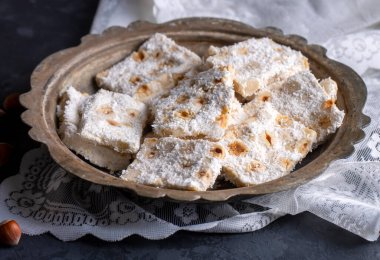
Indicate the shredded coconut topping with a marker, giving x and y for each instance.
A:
(115, 120)
(200, 107)
(257, 63)
(150, 71)
(302, 98)
(266, 146)
(174, 163)
(70, 109)
(200, 127)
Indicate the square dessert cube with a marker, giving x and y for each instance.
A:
(115, 120)
(302, 98)
(151, 70)
(265, 146)
(69, 112)
(169, 162)
(257, 63)
(200, 107)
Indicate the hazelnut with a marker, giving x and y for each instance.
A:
(10, 232)
(12, 102)
(2, 113)
(5, 153)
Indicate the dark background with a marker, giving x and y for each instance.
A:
(32, 30)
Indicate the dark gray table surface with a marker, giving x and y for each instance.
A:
(31, 30)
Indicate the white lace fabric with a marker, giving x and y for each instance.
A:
(43, 197)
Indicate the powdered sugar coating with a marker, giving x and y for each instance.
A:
(302, 98)
(257, 63)
(200, 107)
(255, 143)
(151, 71)
(170, 162)
(266, 146)
(69, 111)
(115, 120)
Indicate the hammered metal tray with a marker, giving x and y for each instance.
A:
(78, 65)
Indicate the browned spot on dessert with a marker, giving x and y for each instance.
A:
(324, 122)
(151, 140)
(157, 54)
(286, 164)
(237, 86)
(139, 55)
(218, 80)
(187, 164)
(243, 51)
(205, 88)
(144, 90)
(151, 154)
(217, 151)
(222, 120)
(204, 174)
(268, 138)
(283, 121)
(105, 110)
(328, 103)
(185, 114)
(200, 101)
(123, 146)
(266, 96)
(135, 79)
(177, 77)
(113, 122)
(305, 63)
(224, 110)
(182, 99)
(304, 147)
(237, 148)
(256, 166)
(133, 113)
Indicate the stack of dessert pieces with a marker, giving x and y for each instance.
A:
(166, 118)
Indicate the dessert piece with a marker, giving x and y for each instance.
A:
(302, 98)
(257, 63)
(266, 146)
(69, 111)
(150, 71)
(200, 107)
(169, 162)
(115, 120)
